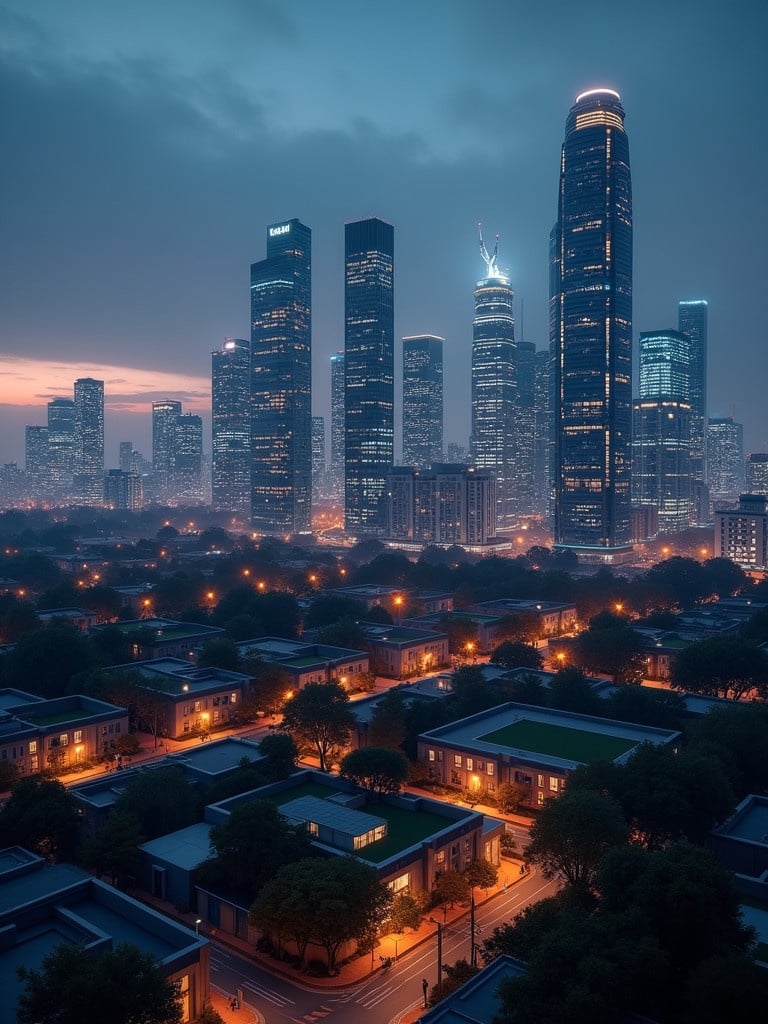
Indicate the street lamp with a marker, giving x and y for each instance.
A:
(439, 927)
(198, 922)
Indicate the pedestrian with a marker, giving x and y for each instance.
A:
(425, 989)
(233, 1003)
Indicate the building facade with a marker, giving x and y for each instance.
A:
(369, 368)
(591, 330)
(88, 478)
(318, 456)
(337, 426)
(741, 534)
(187, 476)
(725, 458)
(692, 321)
(123, 490)
(281, 382)
(757, 473)
(422, 400)
(448, 504)
(231, 428)
(164, 416)
(525, 456)
(36, 462)
(62, 420)
(493, 438)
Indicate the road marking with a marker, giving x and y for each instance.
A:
(267, 993)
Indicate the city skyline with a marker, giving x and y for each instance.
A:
(194, 199)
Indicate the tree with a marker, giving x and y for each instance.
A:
(456, 975)
(570, 690)
(471, 692)
(329, 608)
(451, 887)
(113, 849)
(319, 716)
(387, 726)
(220, 654)
(481, 874)
(247, 776)
(161, 799)
(46, 660)
(281, 756)
(271, 683)
(712, 985)
(634, 703)
(572, 834)
(527, 688)
(376, 769)
(41, 815)
(79, 986)
(407, 912)
(251, 846)
(738, 736)
(510, 795)
(612, 646)
(722, 667)
(515, 654)
(344, 633)
(684, 578)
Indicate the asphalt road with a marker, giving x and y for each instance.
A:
(388, 992)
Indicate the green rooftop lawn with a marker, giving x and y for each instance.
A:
(559, 741)
(63, 716)
(404, 828)
(305, 662)
(168, 632)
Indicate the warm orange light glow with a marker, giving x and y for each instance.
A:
(475, 780)
(262, 585)
(560, 656)
(619, 606)
(246, 572)
(398, 600)
(147, 602)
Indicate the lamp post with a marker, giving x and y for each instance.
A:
(198, 922)
(439, 955)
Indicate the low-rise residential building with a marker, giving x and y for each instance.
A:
(486, 628)
(189, 699)
(741, 534)
(42, 906)
(552, 618)
(57, 735)
(741, 844)
(401, 651)
(310, 663)
(165, 638)
(82, 618)
(531, 746)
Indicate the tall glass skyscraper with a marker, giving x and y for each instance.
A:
(337, 426)
(62, 426)
(281, 382)
(422, 400)
(164, 416)
(88, 480)
(369, 354)
(188, 459)
(662, 423)
(525, 423)
(493, 438)
(591, 325)
(692, 320)
(231, 428)
(725, 464)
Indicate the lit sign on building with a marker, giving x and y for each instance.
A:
(281, 229)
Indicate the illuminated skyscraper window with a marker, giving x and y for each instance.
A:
(591, 330)
(337, 426)
(231, 427)
(281, 382)
(422, 400)
(369, 355)
(88, 478)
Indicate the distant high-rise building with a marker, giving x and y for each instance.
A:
(725, 458)
(164, 416)
(88, 475)
(369, 356)
(591, 328)
(662, 423)
(493, 438)
(525, 456)
(422, 400)
(187, 476)
(337, 426)
(62, 418)
(281, 382)
(318, 455)
(123, 490)
(231, 428)
(692, 321)
(741, 534)
(11, 486)
(757, 473)
(447, 504)
(542, 433)
(36, 462)
(126, 456)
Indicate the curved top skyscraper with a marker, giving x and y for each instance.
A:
(591, 330)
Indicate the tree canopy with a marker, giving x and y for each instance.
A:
(319, 717)
(722, 667)
(161, 799)
(379, 770)
(41, 815)
(612, 646)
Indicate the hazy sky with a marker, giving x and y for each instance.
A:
(146, 145)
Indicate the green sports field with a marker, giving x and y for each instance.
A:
(559, 741)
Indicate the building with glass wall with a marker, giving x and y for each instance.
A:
(337, 426)
(692, 321)
(757, 473)
(281, 382)
(725, 458)
(88, 469)
(231, 428)
(164, 416)
(591, 331)
(62, 425)
(422, 400)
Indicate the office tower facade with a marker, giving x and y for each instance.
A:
(493, 437)
(692, 321)
(187, 475)
(62, 418)
(126, 456)
(757, 473)
(281, 382)
(36, 462)
(662, 429)
(88, 478)
(231, 428)
(337, 426)
(369, 373)
(164, 416)
(446, 504)
(123, 490)
(741, 534)
(725, 458)
(591, 330)
(422, 400)
(318, 456)
(525, 428)
(542, 434)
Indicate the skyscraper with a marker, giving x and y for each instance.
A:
(318, 455)
(493, 439)
(757, 473)
(369, 356)
(662, 421)
(692, 320)
(591, 328)
(187, 475)
(88, 479)
(126, 456)
(337, 426)
(422, 400)
(61, 447)
(281, 382)
(231, 428)
(725, 458)
(36, 462)
(542, 433)
(164, 416)
(525, 427)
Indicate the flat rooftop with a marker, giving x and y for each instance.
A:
(750, 822)
(15, 698)
(166, 629)
(558, 738)
(186, 848)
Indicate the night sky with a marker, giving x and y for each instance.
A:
(146, 145)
